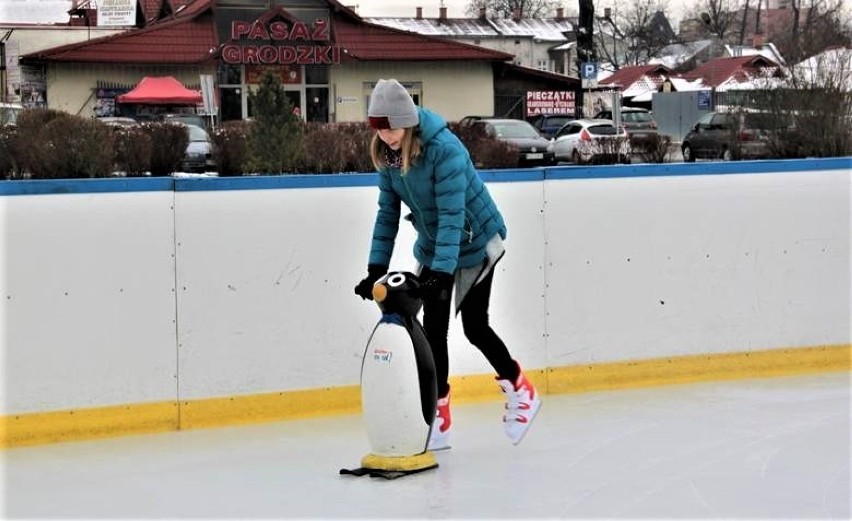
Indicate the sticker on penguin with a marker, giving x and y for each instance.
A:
(398, 385)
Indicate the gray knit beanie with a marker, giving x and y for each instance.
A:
(391, 106)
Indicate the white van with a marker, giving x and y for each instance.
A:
(9, 113)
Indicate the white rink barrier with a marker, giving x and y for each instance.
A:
(138, 305)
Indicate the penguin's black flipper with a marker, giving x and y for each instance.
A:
(386, 474)
(360, 471)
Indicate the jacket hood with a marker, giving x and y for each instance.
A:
(430, 124)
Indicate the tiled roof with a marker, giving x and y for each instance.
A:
(189, 34)
(719, 70)
(627, 76)
(182, 39)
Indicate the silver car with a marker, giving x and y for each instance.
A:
(591, 141)
(199, 151)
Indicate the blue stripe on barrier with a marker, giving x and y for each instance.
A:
(86, 186)
(198, 184)
(710, 168)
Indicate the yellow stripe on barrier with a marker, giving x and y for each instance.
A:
(56, 426)
(256, 408)
(698, 368)
(83, 424)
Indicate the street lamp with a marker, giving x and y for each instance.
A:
(708, 23)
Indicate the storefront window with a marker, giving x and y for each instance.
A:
(230, 74)
(232, 104)
(316, 74)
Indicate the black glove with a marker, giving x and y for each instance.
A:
(436, 284)
(364, 289)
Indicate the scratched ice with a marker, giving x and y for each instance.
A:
(765, 448)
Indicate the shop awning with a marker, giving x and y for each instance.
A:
(161, 90)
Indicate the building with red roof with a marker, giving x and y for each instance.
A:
(327, 57)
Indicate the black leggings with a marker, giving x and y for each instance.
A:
(474, 315)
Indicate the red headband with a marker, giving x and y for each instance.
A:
(379, 122)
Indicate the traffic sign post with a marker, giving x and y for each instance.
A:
(589, 75)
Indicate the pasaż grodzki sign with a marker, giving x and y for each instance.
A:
(279, 42)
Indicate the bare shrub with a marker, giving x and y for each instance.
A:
(336, 148)
(486, 151)
(72, 147)
(168, 146)
(133, 148)
(653, 149)
(230, 148)
(31, 123)
(9, 167)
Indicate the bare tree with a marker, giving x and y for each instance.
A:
(815, 25)
(719, 16)
(509, 8)
(744, 20)
(632, 34)
(812, 106)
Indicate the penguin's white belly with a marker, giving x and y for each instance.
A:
(390, 394)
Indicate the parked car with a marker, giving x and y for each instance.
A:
(591, 141)
(638, 122)
(117, 122)
(548, 124)
(728, 136)
(532, 147)
(469, 120)
(199, 151)
(189, 119)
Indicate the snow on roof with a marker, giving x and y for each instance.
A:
(834, 64)
(541, 29)
(684, 85)
(672, 56)
(451, 27)
(767, 50)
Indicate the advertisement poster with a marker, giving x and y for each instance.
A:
(550, 102)
(12, 88)
(33, 87)
(116, 13)
(105, 101)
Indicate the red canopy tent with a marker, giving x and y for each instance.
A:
(161, 90)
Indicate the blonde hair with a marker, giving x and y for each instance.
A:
(410, 147)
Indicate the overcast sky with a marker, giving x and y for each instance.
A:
(48, 11)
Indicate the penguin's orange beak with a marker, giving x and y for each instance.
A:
(380, 292)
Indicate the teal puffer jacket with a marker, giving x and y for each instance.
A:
(451, 209)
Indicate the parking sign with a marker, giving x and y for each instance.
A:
(589, 71)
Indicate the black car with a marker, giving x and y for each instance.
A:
(728, 136)
(548, 124)
(532, 147)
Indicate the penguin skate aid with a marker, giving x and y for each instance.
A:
(398, 385)
(460, 239)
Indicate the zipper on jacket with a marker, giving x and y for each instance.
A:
(417, 208)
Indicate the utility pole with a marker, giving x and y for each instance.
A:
(585, 41)
(4, 89)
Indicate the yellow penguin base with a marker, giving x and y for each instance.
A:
(423, 461)
(392, 467)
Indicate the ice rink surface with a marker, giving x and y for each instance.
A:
(775, 448)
